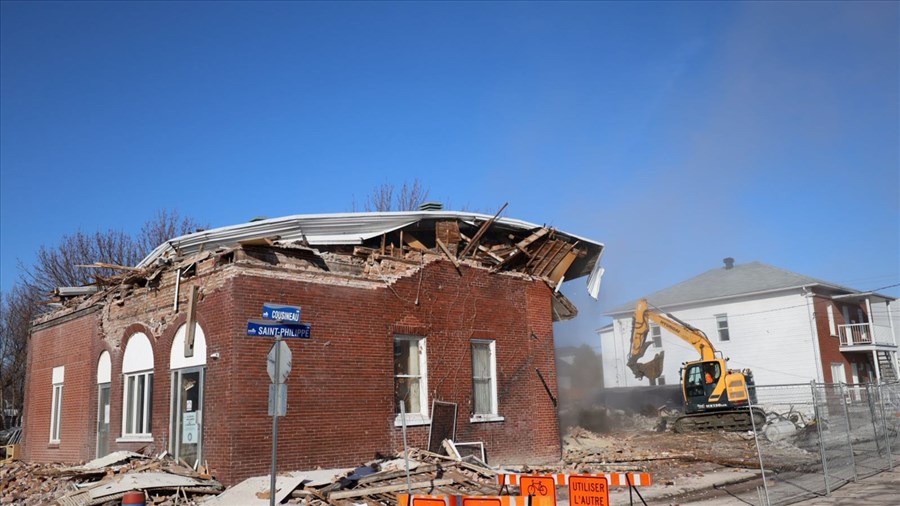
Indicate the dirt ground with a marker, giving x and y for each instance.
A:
(684, 467)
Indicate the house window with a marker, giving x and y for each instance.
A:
(832, 327)
(722, 327)
(411, 379)
(656, 335)
(137, 403)
(56, 403)
(484, 381)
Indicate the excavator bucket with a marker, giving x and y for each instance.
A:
(651, 370)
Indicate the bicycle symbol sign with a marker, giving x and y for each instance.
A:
(541, 486)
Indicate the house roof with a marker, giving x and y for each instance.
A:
(722, 283)
(353, 229)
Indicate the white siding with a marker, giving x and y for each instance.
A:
(770, 335)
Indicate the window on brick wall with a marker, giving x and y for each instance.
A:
(656, 335)
(411, 379)
(832, 328)
(484, 381)
(56, 403)
(137, 400)
(722, 327)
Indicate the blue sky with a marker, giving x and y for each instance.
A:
(675, 133)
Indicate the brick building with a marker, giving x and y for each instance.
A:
(407, 307)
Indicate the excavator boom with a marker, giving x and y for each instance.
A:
(642, 317)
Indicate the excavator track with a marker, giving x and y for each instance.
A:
(730, 420)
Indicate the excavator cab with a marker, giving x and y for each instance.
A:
(703, 382)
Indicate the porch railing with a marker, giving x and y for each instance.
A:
(855, 334)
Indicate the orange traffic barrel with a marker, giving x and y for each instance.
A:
(133, 498)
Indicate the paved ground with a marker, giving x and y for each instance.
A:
(879, 490)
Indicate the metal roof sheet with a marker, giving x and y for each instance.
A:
(350, 229)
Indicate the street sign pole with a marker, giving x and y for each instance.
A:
(275, 420)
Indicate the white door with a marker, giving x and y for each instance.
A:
(187, 414)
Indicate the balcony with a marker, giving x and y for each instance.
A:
(865, 334)
(855, 334)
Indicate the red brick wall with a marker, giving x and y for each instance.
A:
(340, 392)
(74, 345)
(829, 345)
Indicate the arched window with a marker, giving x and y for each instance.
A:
(104, 378)
(137, 403)
(104, 369)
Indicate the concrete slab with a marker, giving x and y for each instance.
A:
(244, 493)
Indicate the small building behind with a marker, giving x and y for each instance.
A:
(405, 308)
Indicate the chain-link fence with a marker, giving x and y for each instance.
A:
(818, 437)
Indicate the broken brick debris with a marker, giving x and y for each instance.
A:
(164, 481)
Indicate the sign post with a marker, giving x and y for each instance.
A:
(279, 321)
(277, 374)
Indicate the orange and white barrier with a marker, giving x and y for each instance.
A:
(615, 479)
(465, 500)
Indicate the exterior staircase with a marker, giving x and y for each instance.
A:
(887, 365)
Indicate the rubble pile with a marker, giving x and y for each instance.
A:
(380, 481)
(104, 481)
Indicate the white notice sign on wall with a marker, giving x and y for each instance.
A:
(190, 431)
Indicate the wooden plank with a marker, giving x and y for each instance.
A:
(358, 492)
(528, 241)
(400, 473)
(414, 243)
(363, 251)
(482, 249)
(563, 266)
(522, 246)
(449, 255)
(191, 316)
(555, 253)
(104, 265)
(540, 256)
(259, 241)
(481, 230)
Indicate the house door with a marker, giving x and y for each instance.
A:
(103, 420)
(187, 414)
(838, 375)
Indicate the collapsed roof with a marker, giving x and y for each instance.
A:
(501, 243)
(397, 243)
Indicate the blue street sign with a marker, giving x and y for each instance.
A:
(287, 314)
(269, 328)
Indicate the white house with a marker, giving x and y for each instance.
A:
(786, 327)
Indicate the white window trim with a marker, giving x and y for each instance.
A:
(56, 413)
(719, 329)
(832, 328)
(148, 400)
(494, 416)
(422, 417)
(658, 332)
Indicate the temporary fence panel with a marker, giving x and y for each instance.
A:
(818, 437)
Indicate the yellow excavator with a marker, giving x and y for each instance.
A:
(715, 397)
